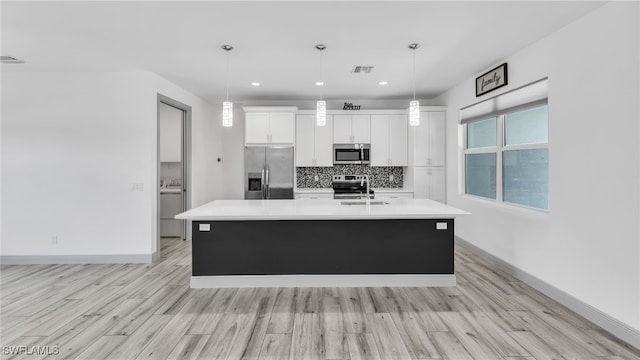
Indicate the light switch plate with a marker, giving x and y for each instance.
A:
(204, 227)
(441, 226)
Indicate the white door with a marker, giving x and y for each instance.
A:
(436, 140)
(421, 141)
(342, 129)
(281, 128)
(436, 184)
(170, 133)
(323, 143)
(379, 140)
(256, 128)
(360, 129)
(420, 183)
(398, 134)
(305, 125)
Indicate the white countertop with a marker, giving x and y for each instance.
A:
(320, 209)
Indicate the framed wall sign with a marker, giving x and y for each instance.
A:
(491, 80)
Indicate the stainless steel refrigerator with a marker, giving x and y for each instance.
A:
(268, 172)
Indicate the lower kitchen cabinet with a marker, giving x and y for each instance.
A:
(394, 195)
(429, 183)
(320, 195)
(170, 206)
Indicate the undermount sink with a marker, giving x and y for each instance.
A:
(363, 203)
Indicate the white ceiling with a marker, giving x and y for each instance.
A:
(274, 42)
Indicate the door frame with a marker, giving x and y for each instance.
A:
(186, 165)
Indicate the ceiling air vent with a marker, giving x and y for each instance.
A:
(10, 60)
(360, 69)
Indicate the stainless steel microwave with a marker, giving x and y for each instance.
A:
(357, 154)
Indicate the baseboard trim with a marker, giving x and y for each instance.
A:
(605, 321)
(76, 259)
(245, 281)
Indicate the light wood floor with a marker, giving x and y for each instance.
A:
(149, 312)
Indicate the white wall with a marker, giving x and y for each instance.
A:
(74, 144)
(233, 156)
(588, 244)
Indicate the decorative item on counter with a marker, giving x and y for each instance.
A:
(491, 80)
(350, 106)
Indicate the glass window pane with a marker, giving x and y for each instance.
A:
(528, 126)
(481, 133)
(526, 177)
(481, 175)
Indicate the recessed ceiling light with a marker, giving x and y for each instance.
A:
(382, 83)
(319, 83)
(255, 83)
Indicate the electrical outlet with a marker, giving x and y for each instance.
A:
(54, 240)
(316, 178)
(137, 187)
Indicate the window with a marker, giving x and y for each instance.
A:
(506, 156)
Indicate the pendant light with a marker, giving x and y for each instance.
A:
(321, 105)
(227, 106)
(414, 106)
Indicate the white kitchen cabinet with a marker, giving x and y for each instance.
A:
(429, 139)
(389, 140)
(170, 133)
(171, 205)
(312, 195)
(394, 195)
(281, 128)
(314, 144)
(256, 128)
(269, 127)
(429, 183)
(351, 129)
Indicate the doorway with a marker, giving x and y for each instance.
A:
(173, 169)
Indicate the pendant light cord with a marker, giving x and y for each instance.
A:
(321, 73)
(228, 75)
(414, 74)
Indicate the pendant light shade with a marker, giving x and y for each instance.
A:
(321, 105)
(321, 113)
(227, 114)
(414, 106)
(414, 113)
(227, 106)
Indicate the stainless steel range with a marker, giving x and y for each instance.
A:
(351, 187)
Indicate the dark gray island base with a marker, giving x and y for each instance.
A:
(354, 252)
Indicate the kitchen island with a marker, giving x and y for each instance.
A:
(322, 243)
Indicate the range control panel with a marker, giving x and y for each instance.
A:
(348, 177)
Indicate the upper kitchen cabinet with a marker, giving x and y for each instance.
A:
(429, 139)
(314, 144)
(351, 129)
(170, 134)
(269, 125)
(389, 140)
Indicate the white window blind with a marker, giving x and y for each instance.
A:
(529, 95)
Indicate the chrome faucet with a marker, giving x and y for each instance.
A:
(368, 197)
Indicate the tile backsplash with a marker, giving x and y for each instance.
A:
(380, 176)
